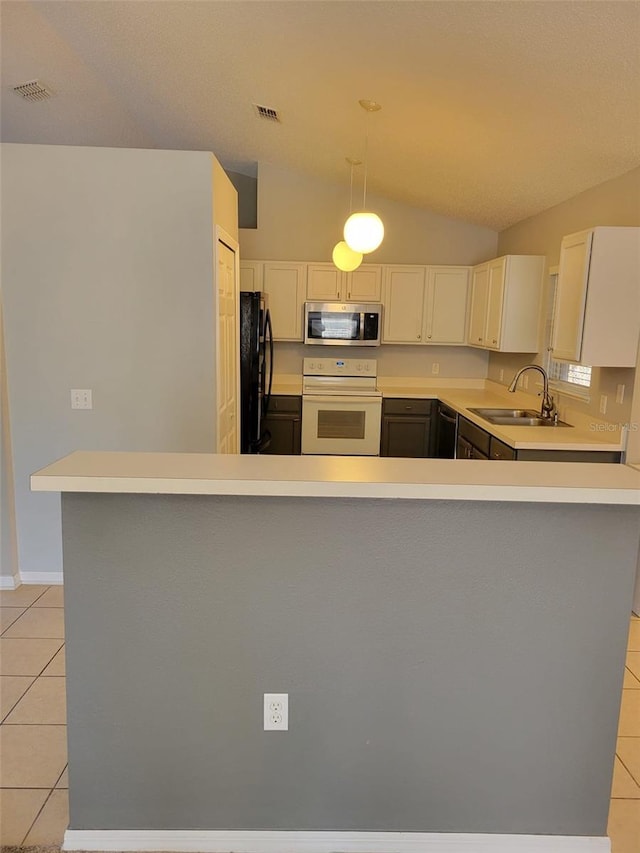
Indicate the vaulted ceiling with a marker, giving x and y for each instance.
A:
(491, 111)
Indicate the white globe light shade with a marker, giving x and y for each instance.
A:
(345, 258)
(363, 232)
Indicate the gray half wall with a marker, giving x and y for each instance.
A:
(451, 666)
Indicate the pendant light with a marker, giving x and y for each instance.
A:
(344, 257)
(364, 231)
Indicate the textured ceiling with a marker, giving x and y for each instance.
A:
(492, 111)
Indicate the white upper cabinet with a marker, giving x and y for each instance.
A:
(506, 296)
(325, 283)
(425, 305)
(251, 273)
(597, 304)
(284, 282)
(445, 316)
(403, 296)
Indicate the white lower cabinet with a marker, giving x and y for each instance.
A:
(506, 296)
(597, 304)
(425, 305)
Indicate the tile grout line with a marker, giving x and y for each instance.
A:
(630, 774)
(47, 798)
(35, 678)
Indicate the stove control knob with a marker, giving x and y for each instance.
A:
(359, 366)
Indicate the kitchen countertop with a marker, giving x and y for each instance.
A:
(461, 395)
(339, 476)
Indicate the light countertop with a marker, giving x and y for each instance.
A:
(336, 476)
(462, 395)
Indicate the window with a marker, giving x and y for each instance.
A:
(571, 378)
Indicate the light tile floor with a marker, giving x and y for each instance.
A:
(33, 750)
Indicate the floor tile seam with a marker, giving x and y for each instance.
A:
(6, 723)
(15, 705)
(39, 674)
(33, 823)
(635, 678)
(629, 771)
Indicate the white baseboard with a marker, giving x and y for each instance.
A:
(51, 578)
(9, 581)
(214, 841)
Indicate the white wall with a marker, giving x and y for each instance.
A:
(108, 276)
(394, 360)
(8, 543)
(301, 218)
(615, 202)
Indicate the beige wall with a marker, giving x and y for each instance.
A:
(615, 202)
(301, 218)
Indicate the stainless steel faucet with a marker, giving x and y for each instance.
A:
(548, 407)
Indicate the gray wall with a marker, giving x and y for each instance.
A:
(107, 275)
(436, 682)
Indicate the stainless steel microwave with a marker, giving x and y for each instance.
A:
(342, 323)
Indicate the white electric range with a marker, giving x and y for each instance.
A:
(341, 407)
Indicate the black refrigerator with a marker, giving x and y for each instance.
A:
(256, 371)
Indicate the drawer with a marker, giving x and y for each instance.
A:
(406, 406)
(478, 437)
(499, 450)
(285, 404)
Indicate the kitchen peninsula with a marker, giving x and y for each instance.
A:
(451, 637)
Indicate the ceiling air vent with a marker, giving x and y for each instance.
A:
(33, 90)
(267, 113)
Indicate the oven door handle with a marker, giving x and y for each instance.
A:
(336, 399)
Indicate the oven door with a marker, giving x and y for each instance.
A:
(341, 425)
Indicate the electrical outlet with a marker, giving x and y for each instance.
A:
(435, 368)
(603, 404)
(276, 712)
(81, 398)
(620, 394)
(501, 374)
(525, 382)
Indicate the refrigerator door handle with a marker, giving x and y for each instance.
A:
(269, 329)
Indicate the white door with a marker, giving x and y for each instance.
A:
(447, 295)
(403, 300)
(365, 284)
(493, 328)
(324, 283)
(479, 298)
(571, 296)
(285, 285)
(227, 349)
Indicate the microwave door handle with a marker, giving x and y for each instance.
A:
(361, 337)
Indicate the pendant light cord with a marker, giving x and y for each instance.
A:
(366, 161)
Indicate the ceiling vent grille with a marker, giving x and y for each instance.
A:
(33, 90)
(267, 113)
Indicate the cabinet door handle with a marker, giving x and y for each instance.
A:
(429, 336)
(348, 296)
(480, 340)
(495, 341)
(418, 337)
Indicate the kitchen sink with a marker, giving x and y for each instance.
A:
(517, 417)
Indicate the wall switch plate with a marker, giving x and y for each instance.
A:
(525, 382)
(620, 394)
(603, 404)
(276, 712)
(81, 398)
(435, 368)
(501, 374)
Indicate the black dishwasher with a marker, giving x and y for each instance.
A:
(446, 442)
